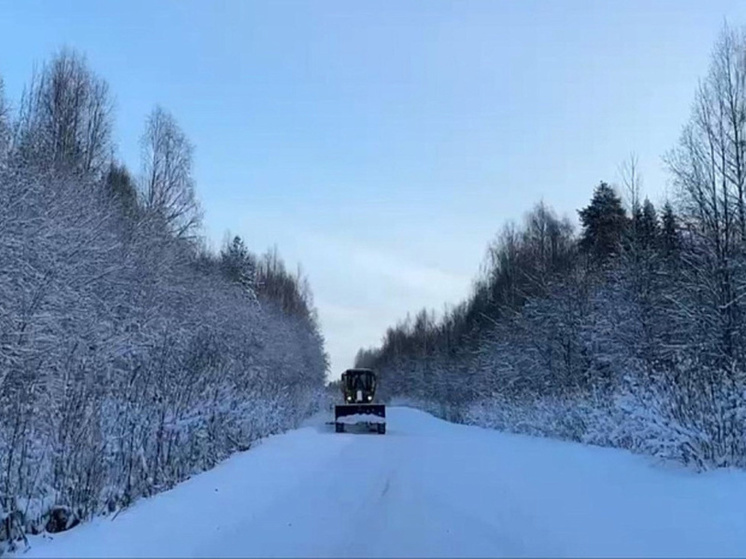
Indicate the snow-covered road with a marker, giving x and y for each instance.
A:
(427, 488)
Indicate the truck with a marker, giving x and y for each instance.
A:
(359, 406)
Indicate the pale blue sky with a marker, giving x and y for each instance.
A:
(383, 144)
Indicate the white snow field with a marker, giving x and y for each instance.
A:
(425, 489)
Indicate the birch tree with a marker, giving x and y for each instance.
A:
(168, 183)
(66, 115)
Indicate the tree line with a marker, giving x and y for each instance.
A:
(629, 332)
(131, 355)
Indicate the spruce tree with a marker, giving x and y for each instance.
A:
(604, 222)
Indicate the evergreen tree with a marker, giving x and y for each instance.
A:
(121, 187)
(604, 222)
(239, 265)
(670, 239)
(647, 226)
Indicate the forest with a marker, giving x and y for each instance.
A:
(628, 331)
(132, 356)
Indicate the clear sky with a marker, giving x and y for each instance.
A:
(383, 144)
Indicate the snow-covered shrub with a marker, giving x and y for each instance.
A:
(696, 419)
(554, 418)
(130, 356)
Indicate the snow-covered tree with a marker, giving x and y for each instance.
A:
(130, 357)
(66, 115)
(168, 184)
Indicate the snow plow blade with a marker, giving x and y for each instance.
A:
(371, 415)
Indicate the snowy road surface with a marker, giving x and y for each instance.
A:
(427, 488)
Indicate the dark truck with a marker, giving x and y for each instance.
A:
(358, 391)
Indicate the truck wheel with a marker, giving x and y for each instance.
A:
(339, 427)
